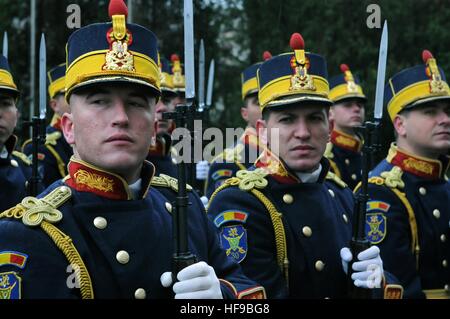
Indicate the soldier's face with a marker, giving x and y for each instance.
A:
(303, 134)
(425, 129)
(8, 117)
(109, 127)
(251, 112)
(347, 115)
(165, 104)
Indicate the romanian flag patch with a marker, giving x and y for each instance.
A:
(222, 173)
(230, 216)
(13, 258)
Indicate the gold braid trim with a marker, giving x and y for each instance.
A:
(64, 243)
(59, 161)
(276, 218)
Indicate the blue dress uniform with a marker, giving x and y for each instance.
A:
(91, 234)
(408, 212)
(286, 233)
(55, 154)
(89, 222)
(344, 150)
(245, 152)
(15, 172)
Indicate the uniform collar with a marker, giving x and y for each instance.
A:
(163, 143)
(416, 165)
(250, 137)
(85, 177)
(56, 122)
(346, 141)
(276, 168)
(10, 144)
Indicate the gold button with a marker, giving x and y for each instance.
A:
(422, 191)
(444, 263)
(345, 218)
(288, 199)
(354, 177)
(436, 213)
(14, 163)
(331, 192)
(443, 238)
(174, 161)
(100, 222)
(26, 184)
(347, 161)
(123, 257)
(140, 294)
(169, 207)
(446, 288)
(307, 231)
(319, 265)
(65, 189)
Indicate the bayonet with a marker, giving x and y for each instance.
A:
(381, 75)
(201, 77)
(5, 44)
(209, 91)
(189, 64)
(42, 78)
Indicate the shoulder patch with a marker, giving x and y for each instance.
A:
(233, 240)
(22, 157)
(52, 138)
(375, 227)
(10, 286)
(222, 173)
(334, 178)
(168, 182)
(13, 258)
(230, 216)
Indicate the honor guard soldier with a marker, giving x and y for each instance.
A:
(286, 219)
(346, 113)
(15, 169)
(178, 79)
(408, 213)
(246, 151)
(160, 153)
(105, 231)
(55, 154)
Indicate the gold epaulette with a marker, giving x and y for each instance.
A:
(168, 182)
(22, 157)
(329, 151)
(43, 213)
(392, 179)
(52, 138)
(333, 177)
(231, 154)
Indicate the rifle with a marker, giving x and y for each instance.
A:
(38, 122)
(367, 133)
(183, 116)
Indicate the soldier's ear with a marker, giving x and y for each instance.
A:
(261, 130)
(67, 126)
(400, 125)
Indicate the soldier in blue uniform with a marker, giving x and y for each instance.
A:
(55, 154)
(408, 213)
(105, 231)
(288, 218)
(15, 168)
(160, 153)
(244, 153)
(347, 112)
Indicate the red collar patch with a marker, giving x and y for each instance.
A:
(275, 167)
(346, 141)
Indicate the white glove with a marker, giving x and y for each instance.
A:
(202, 169)
(368, 270)
(198, 281)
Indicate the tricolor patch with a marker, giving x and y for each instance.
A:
(13, 258)
(10, 286)
(222, 173)
(230, 216)
(234, 241)
(378, 206)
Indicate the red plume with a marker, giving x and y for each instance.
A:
(174, 58)
(344, 68)
(117, 7)
(426, 55)
(297, 42)
(267, 55)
